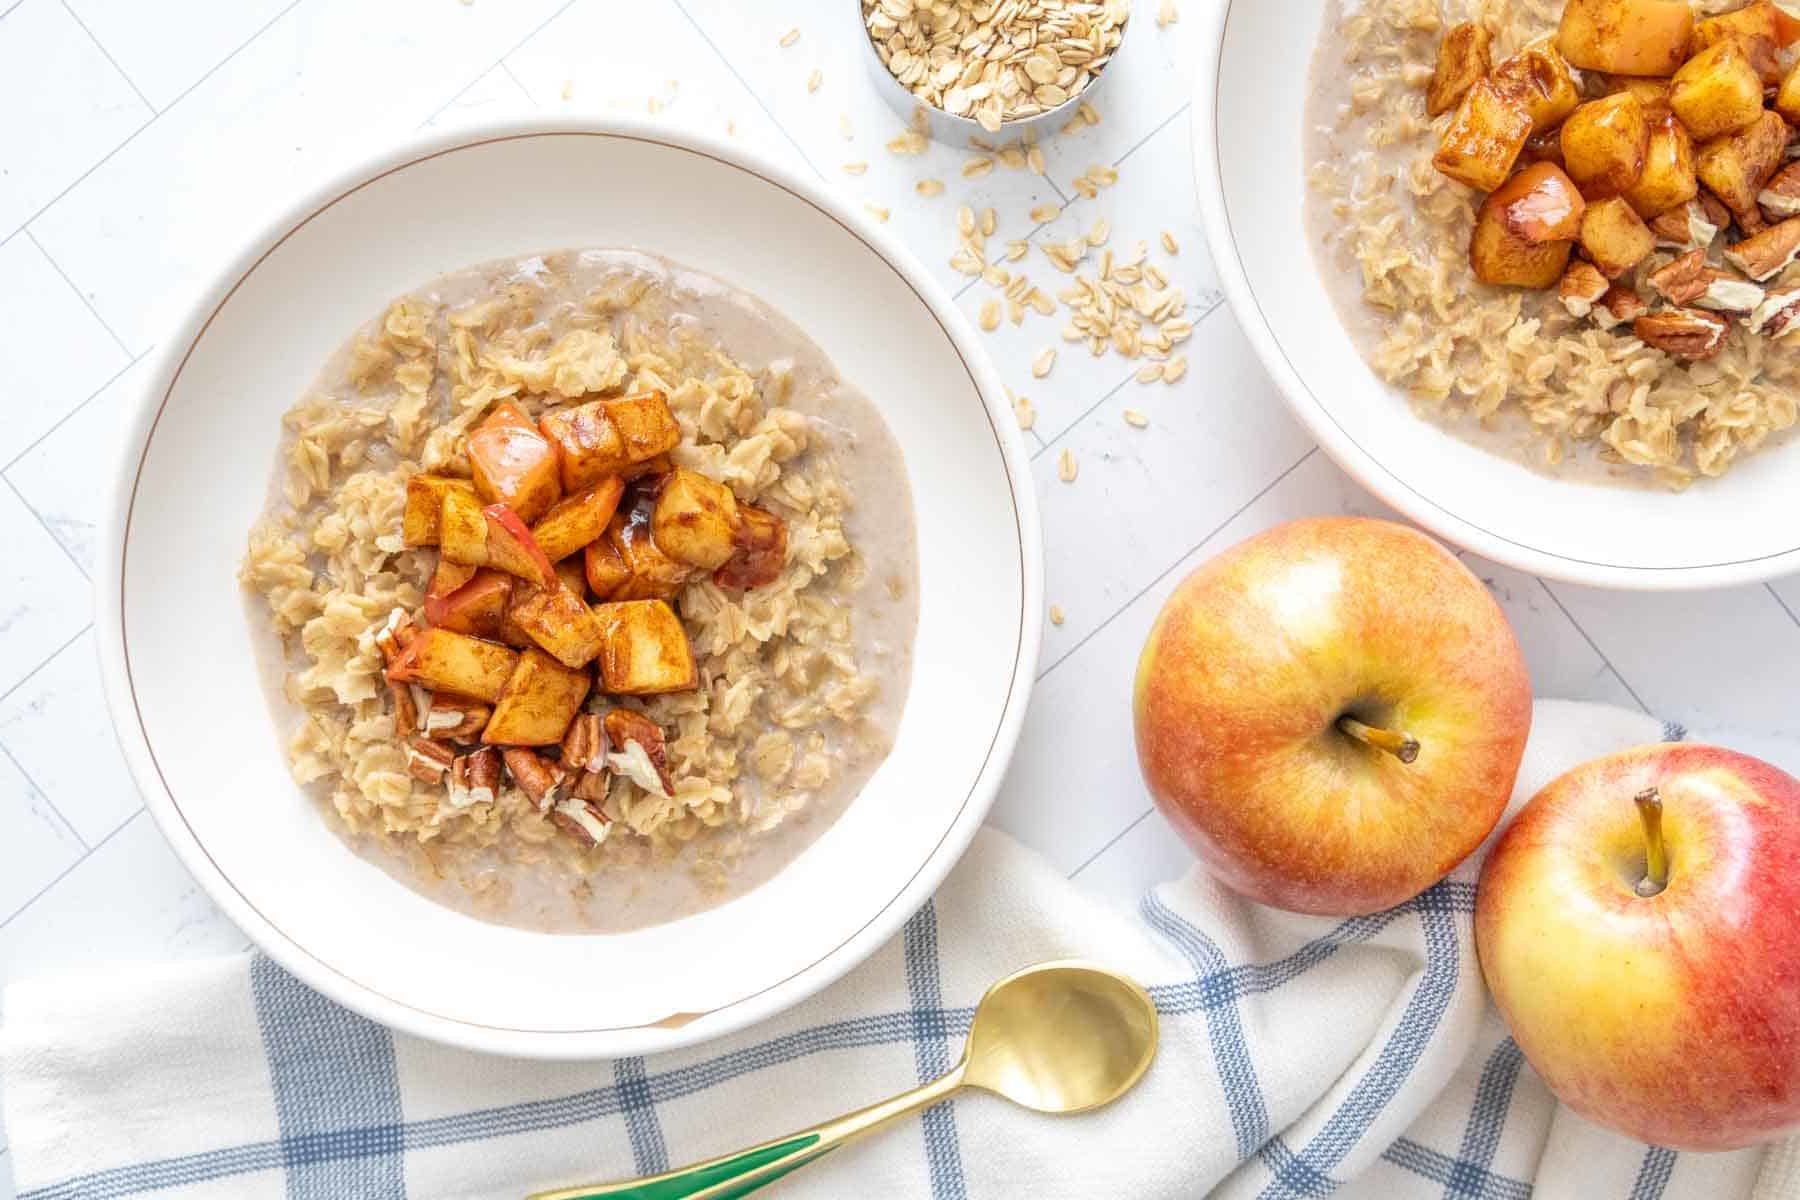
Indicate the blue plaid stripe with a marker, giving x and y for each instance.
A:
(1653, 1174)
(1460, 1177)
(931, 1047)
(1224, 1029)
(1487, 1119)
(336, 1088)
(649, 1156)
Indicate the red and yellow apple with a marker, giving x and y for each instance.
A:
(1639, 927)
(1332, 713)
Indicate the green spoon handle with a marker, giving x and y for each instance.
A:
(733, 1175)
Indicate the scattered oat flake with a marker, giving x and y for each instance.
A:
(1174, 369)
(1056, 614)
(844, 126)
(1136, 419)
(1169, 243)
(814, 80)
(908, 143)
(1011, 157)
(855, 168)
(731, 128)
(1150, 373)
(990, 314)
(975, 168)
(965, 220)
(1040, 366)
(990, 221)
(1167, 14)
(1100, 232)
(568, 88)
(789, 38)
(876, 211)
(929, 187)
(1025, 412)
(1066, 466)
(1017, 249)
(1043, 213)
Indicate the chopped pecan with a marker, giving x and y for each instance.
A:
(427, 760)
(1766, 254)
(584, 745)
(581, 820)
(395, 636)
(1715, 209)
(406, 710)
(1582, 287)
(590, 785)
(1750, 221)
(1620, 304)
(625, 728)
(456, 719)
(475, 778)
(1687, 227)
(1776, 314)
(538, 778)
(1685, 333)
(1684, 280)
(1727, 293)
(1780, 197)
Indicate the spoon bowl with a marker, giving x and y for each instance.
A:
(1061, 1037)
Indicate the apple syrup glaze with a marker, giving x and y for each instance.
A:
(636, 885)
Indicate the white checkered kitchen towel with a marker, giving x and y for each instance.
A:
(1301, 1057)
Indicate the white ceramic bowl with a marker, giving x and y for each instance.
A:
(1248, 160)
(181, 643)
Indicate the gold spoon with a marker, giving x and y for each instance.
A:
(1059, 1037)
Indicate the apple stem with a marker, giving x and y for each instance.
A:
(1403, 746)
(1656, 853)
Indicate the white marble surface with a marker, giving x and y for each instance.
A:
(138, 139)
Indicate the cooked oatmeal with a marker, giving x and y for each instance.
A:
(1568, 383)
(695, 757)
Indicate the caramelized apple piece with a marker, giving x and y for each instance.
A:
(513, 463)
(538, 700)
(511, 548)
(645, 650)
(1539, 78)
(652, 575)
(1503, 258)
(1716, 92)
(575, 521)
(695, 520)
(446, 577)
(1614, 237)
(462, 528)
(478, 608)
(1787, 100)
(1652, 94)
(1760, 30)
(1484, 138)
(425, 505)
(607, 437)
(1737, 165)
(1626, 37)
(1540, 204)
(761, 550)
(446, 661)
(605, 570)
(559, 621)
(1463, 57)
(1668, 179)
(1604, 143)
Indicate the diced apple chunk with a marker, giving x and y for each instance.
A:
(652, 575)
(646, 651)
(514, 463)
(1737, 165)
(1540, 79)
(478, 608)
(1787, 100)
(1604, 143)
(1716, 91)
(1761, 30)
(606, 437)
(560, 621)
(537, 702)
(420, 524)
(761, 550)
(1668, 180)
(695, 520)
(446, 661)
(1503, 258)
(1484, 138)
(446, 577)
(1626, 37)
(1540, 204)
(605, 570)
(577, 520)
(1462, 59)
(1614, 237)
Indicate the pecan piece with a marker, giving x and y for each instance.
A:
(1582, 287)
(406, 709)
(648, 767)
(584, 745)
(395, 636)
(1768, 253)
(1687, 227)
(1682, 281)
(540, 779)
(1776, 314)
(427, 760)
(1780, 197)
(1620, 304)
(1685, 333)
(475, 778)
(456, 719)
(581, 820)
(590, 785)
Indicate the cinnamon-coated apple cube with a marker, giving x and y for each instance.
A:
(1540, 79)
(1716, 91)
(514, 463)
(695, 520)
(560, 622)
(446, 577)
(462, 528)
(1737, 165)
(1668, 179)
(537, 702)
(1540, 204)
(511, 548)
(478, 608)
(1626, 37)
(653, 575)
(1484, 137)
(1652, 94)
(606, 437)
(761, 550)
(1463, 57)
(1787, 100)
(570, 572)
(446, 661)
(605, 570)
(575, 521)
(1761, 30)
(1503, 258)
(645, 650)
(420, 523)
(1604, 142)
(1614, 237)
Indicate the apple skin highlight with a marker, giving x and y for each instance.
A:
(1673, 1018)
(1247, 672)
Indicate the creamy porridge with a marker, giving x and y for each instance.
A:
(596, 590)
(1618, 314)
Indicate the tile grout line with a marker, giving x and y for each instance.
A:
(68, 416)
(506, 68)
(86, 301)
(32, 674)
(1160, 126)
(157, 116)
(1112, 841)
(45, 526)
(1121, 609)
(107, 54)
(1784, 604)
(68, 825)
(1594, 646)
(500, 62)
(68, 870)
(750, 91)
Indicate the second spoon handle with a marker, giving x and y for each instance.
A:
(739, 1174)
